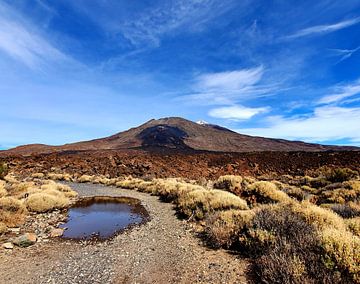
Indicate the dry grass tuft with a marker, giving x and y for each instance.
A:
(12, 211)
(46, 201)
(342, 251)
(229, 182)
(3, 191)
(353, 225)
(38, 175)
(222, 227)
(3, 228)
(201, 201)
(62, 188)
(264, 192)
(85, 178)
(55, 176)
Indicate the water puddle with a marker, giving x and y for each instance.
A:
(103, 217)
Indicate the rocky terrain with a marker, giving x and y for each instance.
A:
(139, 163)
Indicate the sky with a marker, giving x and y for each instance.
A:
(77, 70)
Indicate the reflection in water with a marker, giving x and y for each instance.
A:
(102, 217)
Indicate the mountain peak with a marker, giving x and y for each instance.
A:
(182, 135)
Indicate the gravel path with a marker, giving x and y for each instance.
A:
(164, 250)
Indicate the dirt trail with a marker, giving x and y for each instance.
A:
(164, 250)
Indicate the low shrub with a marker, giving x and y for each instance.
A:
(349, 210)
(342, 250)
(55, 176)
(201, 201)
(222, 228)
(3, 228)
(46, 201)
(85, 178)
(263, 192)
(62, 188)
(3, 191)
(38, 175)
(12, 211)
(3, 170)
(229, 182)
(353, 225)
(339, 174)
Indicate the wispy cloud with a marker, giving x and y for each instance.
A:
(344, 53)
(148, 27)
(324, 29)
(22, 43)
(341, 93)
(228, 87)
(324, 124)
(236, 112)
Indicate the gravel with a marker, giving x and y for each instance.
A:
(163, 250)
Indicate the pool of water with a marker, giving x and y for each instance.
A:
(102, 217)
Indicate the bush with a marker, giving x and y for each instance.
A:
(354, 225)
(349, 210)
(85, 178)
(223, 227)
(263, 192)
(339, 174)
(12, 211)
(3, 228)
(46, 201)
(342, 252)
(3, 170)
(3, 191)
(229, 182)
(201, 201)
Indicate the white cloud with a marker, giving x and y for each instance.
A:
(344, 53)
(230, 80)
(149, 26)
(20, 42)
(228, 87)
(324, 29)
(236, 112)
(342, 92)
(324, 124)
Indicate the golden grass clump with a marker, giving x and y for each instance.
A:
(201, 201)
(85, 178)
(55, 176)
(3, 191)
(229, 182)
(12, 211)
(46, 201)
(343, 251)
(3, 228)
(264, 192)
(171, 189)
(353, 225)
(19, 188)
(319, 217)
(62, 188)
(38, 175)
(222, 227)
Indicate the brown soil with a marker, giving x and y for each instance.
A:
(196, 165)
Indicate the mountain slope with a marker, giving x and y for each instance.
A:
(182, 135)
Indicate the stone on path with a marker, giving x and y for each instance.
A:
(8, 245)
(25, 240)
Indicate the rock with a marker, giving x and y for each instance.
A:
(8, 246)
(25, 240)
(56, 233)
(14, 230)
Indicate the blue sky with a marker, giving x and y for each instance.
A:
(76, 70)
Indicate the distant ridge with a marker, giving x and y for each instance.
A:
(175, 133)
